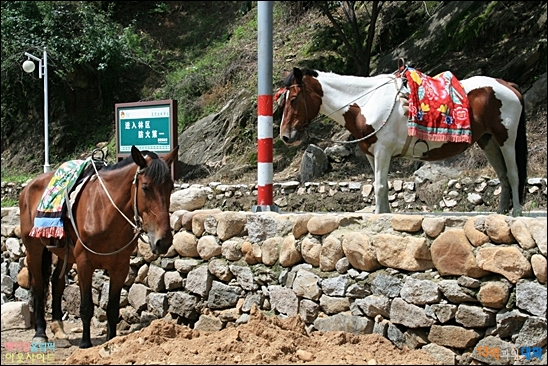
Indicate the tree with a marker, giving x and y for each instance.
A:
(356, 32)
(91, 64)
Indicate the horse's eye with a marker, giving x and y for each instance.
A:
(293, 100)
(145, 188)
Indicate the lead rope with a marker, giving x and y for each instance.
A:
(137, 229)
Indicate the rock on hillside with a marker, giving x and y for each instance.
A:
(204, 147)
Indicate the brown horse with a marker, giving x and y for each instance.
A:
(374, 110)
(99, 236)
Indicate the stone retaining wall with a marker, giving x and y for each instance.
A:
(423, 193)
(464, 288)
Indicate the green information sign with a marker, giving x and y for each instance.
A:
(147, 125)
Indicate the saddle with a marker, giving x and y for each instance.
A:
(437, 107)
(62, 191)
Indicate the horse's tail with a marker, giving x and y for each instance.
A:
(521, 154)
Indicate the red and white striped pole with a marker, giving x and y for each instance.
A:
(265, 151)
(265, 194)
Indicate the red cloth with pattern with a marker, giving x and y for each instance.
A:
(438, 107)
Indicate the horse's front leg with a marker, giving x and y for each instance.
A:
(117, 279)
(85, 273)
(57, 289)
(381, 166)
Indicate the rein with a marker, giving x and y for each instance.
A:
(137, 229)
(365, 137)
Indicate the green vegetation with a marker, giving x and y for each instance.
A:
(102, 53)
(87, 53)
(17, 178)
(252, 158)
(10, 202)
(200, 54)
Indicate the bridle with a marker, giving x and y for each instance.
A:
(303, 88)
(137, 226)
(302, 85)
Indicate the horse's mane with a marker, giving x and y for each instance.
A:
(156, 169)
(306, 72)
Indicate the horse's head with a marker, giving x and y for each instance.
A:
(154, 185)
(300, 101)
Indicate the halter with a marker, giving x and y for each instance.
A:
(305, 105)
(137, 228)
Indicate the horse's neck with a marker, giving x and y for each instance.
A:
(116, 184)
(340, 91)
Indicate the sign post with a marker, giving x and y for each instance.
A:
(147, 125)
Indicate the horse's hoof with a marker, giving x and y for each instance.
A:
(58, 330)
(37, 339)
(62, 343)
(85, 345)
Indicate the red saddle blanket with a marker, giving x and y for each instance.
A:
(438, 107)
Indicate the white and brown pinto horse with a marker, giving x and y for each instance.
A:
(372, 109)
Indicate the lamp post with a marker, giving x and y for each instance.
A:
(28, 66)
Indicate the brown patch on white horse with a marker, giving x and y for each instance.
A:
(356, 123)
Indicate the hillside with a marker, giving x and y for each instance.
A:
(500, 39)
(518, 56)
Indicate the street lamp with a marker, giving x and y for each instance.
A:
(28, 66)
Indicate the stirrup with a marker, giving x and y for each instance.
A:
(425, 155)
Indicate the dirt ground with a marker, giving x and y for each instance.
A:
(263, 340)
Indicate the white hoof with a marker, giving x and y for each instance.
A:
(58, 330)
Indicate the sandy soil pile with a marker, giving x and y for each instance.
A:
(263, 340)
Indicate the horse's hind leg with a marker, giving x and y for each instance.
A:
(57, 288)
(509, 154)
(496, 159)
(39, 265)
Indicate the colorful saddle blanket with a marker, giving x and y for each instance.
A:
(48, 222)
(438, 107)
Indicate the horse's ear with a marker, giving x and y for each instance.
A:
(286, 73)
(297, 73)
(138, 158)
(172, 156)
